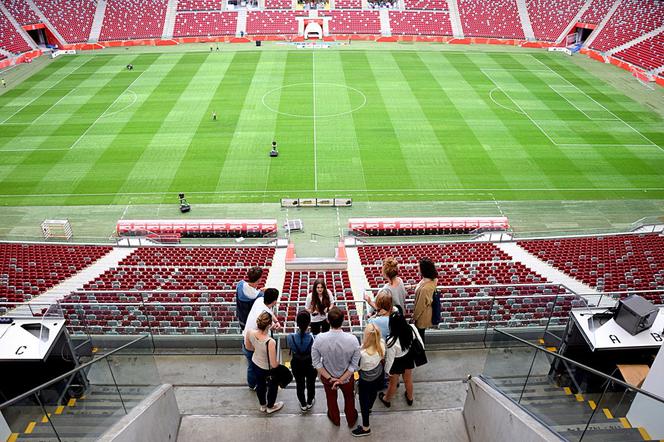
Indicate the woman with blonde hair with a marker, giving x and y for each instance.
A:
(371, 379)
(264, 359)
(383, 311)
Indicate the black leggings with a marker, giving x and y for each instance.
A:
(317, 327)
(305, 377)
(266, 389)
(368, 390)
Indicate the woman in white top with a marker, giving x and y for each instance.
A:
(264, 359)
(371, 379)
(395, 286)
(398, 360)
(318, 303)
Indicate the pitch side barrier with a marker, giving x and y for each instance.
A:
(199, 228)
(426, 226)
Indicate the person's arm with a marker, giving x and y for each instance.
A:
(272, 349)
(389, 358)
(370, 301)
(317, 362)
(307, 304)
(247, 342)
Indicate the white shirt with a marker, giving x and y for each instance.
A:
(258, 308)
(316, 317)
(369, 362)
(249, 291)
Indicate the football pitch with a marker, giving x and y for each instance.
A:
(374, 125)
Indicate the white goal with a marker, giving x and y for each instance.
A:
(56, 228)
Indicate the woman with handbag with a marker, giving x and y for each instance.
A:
(305, 374)
(423, 311)
(405, 350)
(264, 359)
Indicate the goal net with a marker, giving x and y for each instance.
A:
(56, 228)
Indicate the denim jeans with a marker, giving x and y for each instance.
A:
(251, 375)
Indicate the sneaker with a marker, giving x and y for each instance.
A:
(304, 407)
(311, 405)
(359, 431)
(277, 406)
(252, 388)
(262, 408)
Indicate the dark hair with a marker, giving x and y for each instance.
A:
(399, 329)
(428, 268)
(335, 317)
(254, 274)
(270, 296)
(317, 304)
(303, 320)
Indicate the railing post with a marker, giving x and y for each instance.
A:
(488, 319)
(116, 385)
(47, 416)
(530, 370)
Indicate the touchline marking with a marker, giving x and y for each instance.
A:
(53, 105)
(487, 191)
(596, 102)
(313, 69)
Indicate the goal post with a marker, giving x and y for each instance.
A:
(56, 228)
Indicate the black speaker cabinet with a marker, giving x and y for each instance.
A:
(635, 314)
(258, 43)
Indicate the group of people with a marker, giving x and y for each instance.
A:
(380, 4)
(321, 349)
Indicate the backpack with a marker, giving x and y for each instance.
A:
(299, 354)
(435, 308)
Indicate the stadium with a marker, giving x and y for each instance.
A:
(155, 154)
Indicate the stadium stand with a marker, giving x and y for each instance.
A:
(278, 4)
(490, 18)
(632, 19)
(198, 24)
(132, 19)
(420, 23)
(71, 18)
(440, 5)
(271, 22)
(609, 263)
(297, 285)
(182, 286)
(21, 11)
(550, 18)
(10, 39)
(443, 253)
(200, 5)
(648, 54)
(27, 270)
(355, 22)
(348, 4)
(596, 11)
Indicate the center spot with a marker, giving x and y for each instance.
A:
(314, 100)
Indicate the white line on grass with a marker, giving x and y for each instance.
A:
(53, 105)
(577, 107)
(486, 191)
(40, 95)
(105, 110)
(504, 107)
(313, 68)
(598, 103)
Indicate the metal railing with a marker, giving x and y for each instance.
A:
(545, 383)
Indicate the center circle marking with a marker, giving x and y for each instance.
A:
(356, 108)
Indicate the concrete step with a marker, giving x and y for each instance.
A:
(423, 425)
(607, 435)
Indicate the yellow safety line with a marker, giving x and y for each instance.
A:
(579, 397)
(356, 375)
(592, 404)
(71, 402)
(95, 349)
(12, 437)
(607, 413)
(625, 423)
(60, 409)
(287, 364)
(45, 418)
(644, 433)
(567, 390)
(552, 349)
(541, 341)
(30, 427)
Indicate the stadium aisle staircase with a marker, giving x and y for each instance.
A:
(4, 12)
(169, 20)
(600, 26)
(455, 18)
(95, 30)
(241, 22)
(636, 41)
(574, 21)
(525, 20)
(567, 413)
(83, 419)
(385, 29)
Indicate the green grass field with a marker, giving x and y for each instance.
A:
(370, 124)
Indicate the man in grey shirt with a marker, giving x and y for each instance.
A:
(336, 356)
